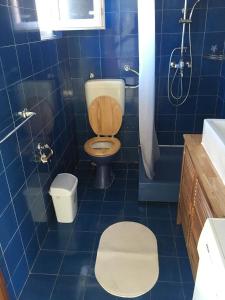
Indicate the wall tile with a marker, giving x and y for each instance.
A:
(20, 276)
(112, 24)
(10, 151)
(32, 250)
(208, 86)
(2, 79)
(118, 46)
(128, 5)
(8, 226)
(10, 64)
(13, 257)
(6, 34)
(6, 119)
(23, 52)
(110, 67)
(4, 193)
(170, 21)
(202, 100)
(218, 15)
(185, 123)
(15, 176)
(89, 47)
(74, 47)
(166, 123)
(110, 46)
(112, 6)
(45, 65)
(129, 23)
(129, 46)
(206, 105)
(216, 3)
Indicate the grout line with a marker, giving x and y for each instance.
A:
(58, 274)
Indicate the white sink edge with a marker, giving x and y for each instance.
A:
(213, 142)
(219, 136)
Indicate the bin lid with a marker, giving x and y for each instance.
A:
(64, 184)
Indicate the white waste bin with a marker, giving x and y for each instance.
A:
(63, 191)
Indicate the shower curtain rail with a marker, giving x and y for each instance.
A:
(27, 116)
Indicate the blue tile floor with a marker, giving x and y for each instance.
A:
(64, 268)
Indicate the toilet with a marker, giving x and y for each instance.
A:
(105, 100)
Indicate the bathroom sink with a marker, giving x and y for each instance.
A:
(213, 141)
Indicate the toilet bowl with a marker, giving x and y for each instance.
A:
(105, 103)
(102, 146)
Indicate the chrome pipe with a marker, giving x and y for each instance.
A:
(184, 27)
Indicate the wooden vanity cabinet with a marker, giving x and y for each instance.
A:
(202, 195)
(3, 291)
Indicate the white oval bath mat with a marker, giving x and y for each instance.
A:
(127, 260)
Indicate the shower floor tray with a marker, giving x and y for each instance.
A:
(165, 185)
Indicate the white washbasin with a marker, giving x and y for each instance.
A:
(213, 141)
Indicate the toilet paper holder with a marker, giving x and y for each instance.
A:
(44, 153)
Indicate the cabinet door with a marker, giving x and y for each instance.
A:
(200, 212)
(186, 193)
(80, 14)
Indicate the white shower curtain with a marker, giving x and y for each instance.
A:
(148, 139)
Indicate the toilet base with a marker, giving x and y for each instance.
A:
(104, 177)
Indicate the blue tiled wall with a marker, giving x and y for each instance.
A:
(221, 94)
(104, 53)
(221, 91)
(33, 74)
(207, 30)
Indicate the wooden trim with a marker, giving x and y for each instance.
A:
(3, 290)
(202, 195)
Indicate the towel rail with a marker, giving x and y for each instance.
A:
(24, 114)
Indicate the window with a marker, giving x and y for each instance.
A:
(80, 15)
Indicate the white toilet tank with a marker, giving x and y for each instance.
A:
(114, 88)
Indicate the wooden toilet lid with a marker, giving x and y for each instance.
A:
(105, 116)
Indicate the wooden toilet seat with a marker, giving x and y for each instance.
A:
(101, 151)
(105, 118)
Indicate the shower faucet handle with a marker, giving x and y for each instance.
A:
(174, 65)
(188, 64)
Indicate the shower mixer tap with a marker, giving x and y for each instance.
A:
(180, 65)
(188, 64)
(177, 91)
